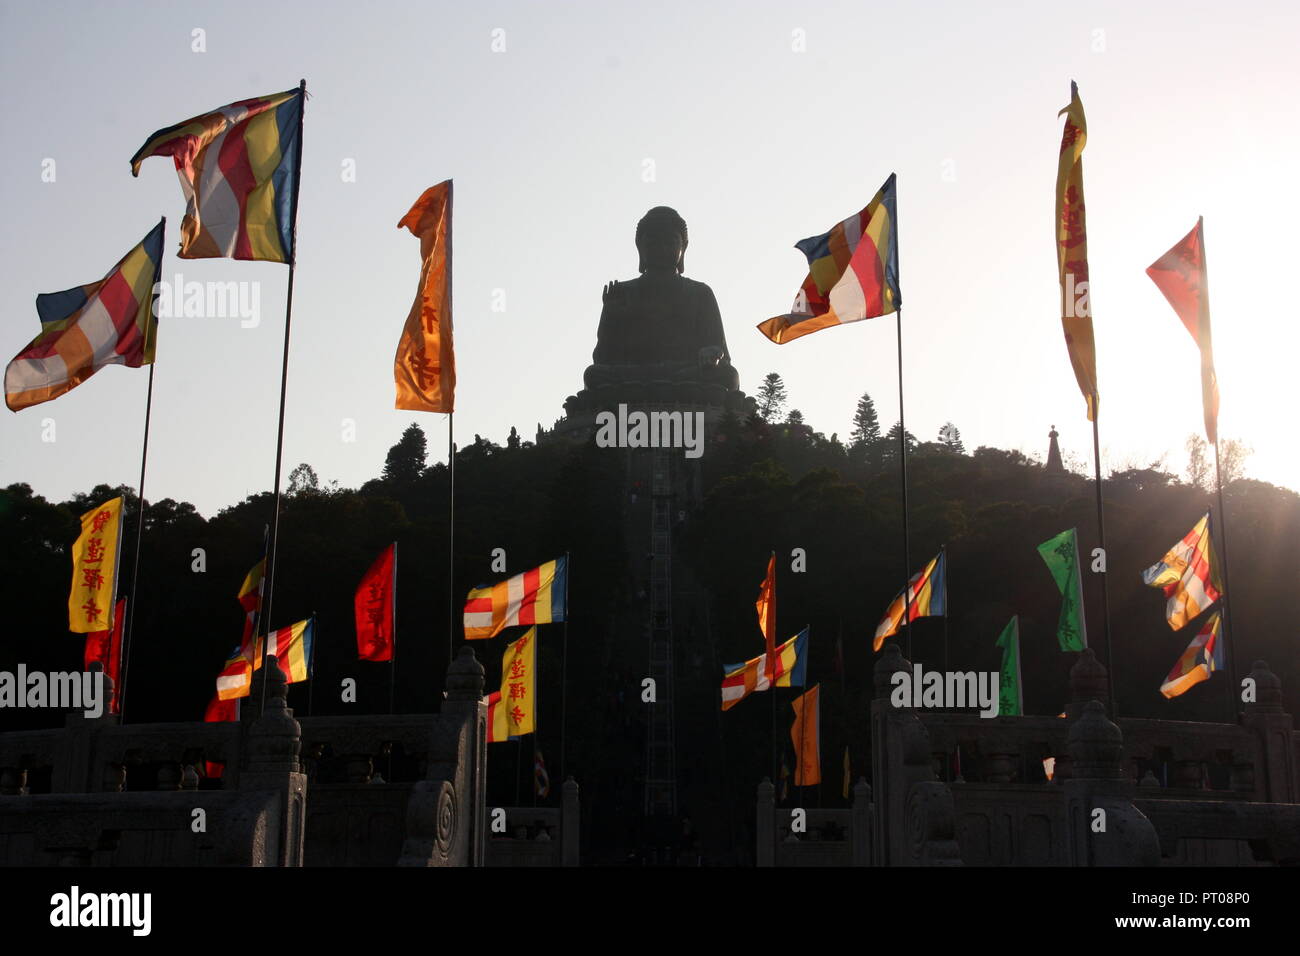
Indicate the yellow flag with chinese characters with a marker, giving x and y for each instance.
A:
(94, 569)
(511, 712)
(1072, 253)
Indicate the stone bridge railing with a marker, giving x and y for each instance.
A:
(821, 838)
(537, 836)
(292, 792)
(1181, 792)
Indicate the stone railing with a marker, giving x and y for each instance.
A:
(99, 792)
(839, 837)
(536, 836)
(1007, 812)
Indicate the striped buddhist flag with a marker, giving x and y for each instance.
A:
(511, 710)
(1188, 575)
(1072, 252)
(425, 365)
(237, 166)
(791, 665)
(806, 734)
(236, 677)
(1181, 275)
(109, 322)
(105, 648)
(1202, 658)
(927, 596)
(292, 648)
(852, 273)
(250, 599)
(534, 597)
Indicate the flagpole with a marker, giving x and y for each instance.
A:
(139, 535)
(451, 449)
(943, 557)
(284, 375)
(564, 665)
(902, 457)
(1229, 655)
(311, 664)
(392, 660)
(1101, 536)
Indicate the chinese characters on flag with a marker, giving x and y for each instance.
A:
(511, 710)
(425, 365)
(376, 607)
(94, 569)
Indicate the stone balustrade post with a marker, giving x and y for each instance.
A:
(570, 823)
(765, 825)
(1276, 781)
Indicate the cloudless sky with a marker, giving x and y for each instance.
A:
(1192, 110)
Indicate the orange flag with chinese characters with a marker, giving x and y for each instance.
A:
(1072, 252)
(94, 569)
(766, 606)
(425, 366)
(806, 734)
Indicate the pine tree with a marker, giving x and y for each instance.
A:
(795, 417)
(405, 461)
(303, 478)
(771, 398)
(889, 444)
(950, 438)
(866, 424)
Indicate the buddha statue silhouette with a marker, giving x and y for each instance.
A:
(660, 326)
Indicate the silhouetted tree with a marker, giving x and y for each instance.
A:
(405, 462)
(771, 398)
(303, 478)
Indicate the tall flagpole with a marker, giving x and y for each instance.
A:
(451, 442)
(311, 664)
(943, 558)
(564, 666)
(1101, 537)
(284, 378)
(902, 457)
(139, 530)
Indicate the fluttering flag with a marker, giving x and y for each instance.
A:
(511, 712)
(766, 607)
(806, 734)
(852, 273)
(1072, 252)
(237, 166)
(927, 597)
(1188, 574)
(1181, 275)
(236, 677)
(217, 711)
(105, 648)
(847, 773)
(791, 666)
(1011, 695)
(541, 779)
(250, 599)
(1202, 658)
(783, 792)
(425, 366)
(109, 322)
(534, 597)
(375, 604)
(94, 569)
(1061, 555)
(292, 648)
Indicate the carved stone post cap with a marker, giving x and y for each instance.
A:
(765, 787)
(861, 789)
(891, 661)
(570, 785)
(1096, 745)
(1088, 678)
(465, 676)
(1268, 690)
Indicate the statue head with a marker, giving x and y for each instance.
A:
(661, 240)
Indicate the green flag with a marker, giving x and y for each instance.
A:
(1011, 698)
(1061, 555)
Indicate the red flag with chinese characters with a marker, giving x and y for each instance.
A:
(105, 647)
(1180, 274)
(376, 607)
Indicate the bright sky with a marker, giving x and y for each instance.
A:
(761, 123)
